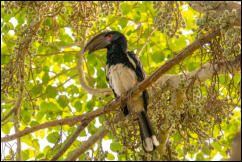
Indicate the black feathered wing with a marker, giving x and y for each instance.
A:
(147, 133)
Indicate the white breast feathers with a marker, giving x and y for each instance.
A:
(121, 78)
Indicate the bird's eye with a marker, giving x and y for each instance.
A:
(110, 36)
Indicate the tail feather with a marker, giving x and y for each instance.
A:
(149, 140)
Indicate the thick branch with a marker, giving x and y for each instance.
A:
(67, 121)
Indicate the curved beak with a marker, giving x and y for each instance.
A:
(97, 42)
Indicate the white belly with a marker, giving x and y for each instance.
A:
(121, 78)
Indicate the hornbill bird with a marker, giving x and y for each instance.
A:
(123, 71)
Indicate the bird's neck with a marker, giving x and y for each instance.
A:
(115, 54)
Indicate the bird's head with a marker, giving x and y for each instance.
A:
(106, 40)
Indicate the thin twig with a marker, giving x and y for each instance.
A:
(147, 39)
(63, 72)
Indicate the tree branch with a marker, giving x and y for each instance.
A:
(9, 113)
(63, 72)
(56, 53)
(71, 140)
(67, 121)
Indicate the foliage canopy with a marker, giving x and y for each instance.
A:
(40, 48)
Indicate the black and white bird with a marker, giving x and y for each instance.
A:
(123, 71)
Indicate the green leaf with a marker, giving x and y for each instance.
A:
(166, 52)
(26, 115)
(72, 89)
(68, 58)
(40, 156)
(37, 89)
(27, 139)
(46, 68)
(25, 155)
(53, 137)
(176, 137)
(42, 133)
(44, 106)
(125, 8)
(45, 78)
(51, 91)
(39, 115)
(137, 16)
(199, 157)
(36, 144)
(191, 66)
(129, 32)
(46, 150)
(157, 57)
(110, 156)
(78, 106)
(83, 133)
(123, 23)
(115, 146)
(4, 59)
(34, 123)
(89, 106)
(63, 101)
(6, 128)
